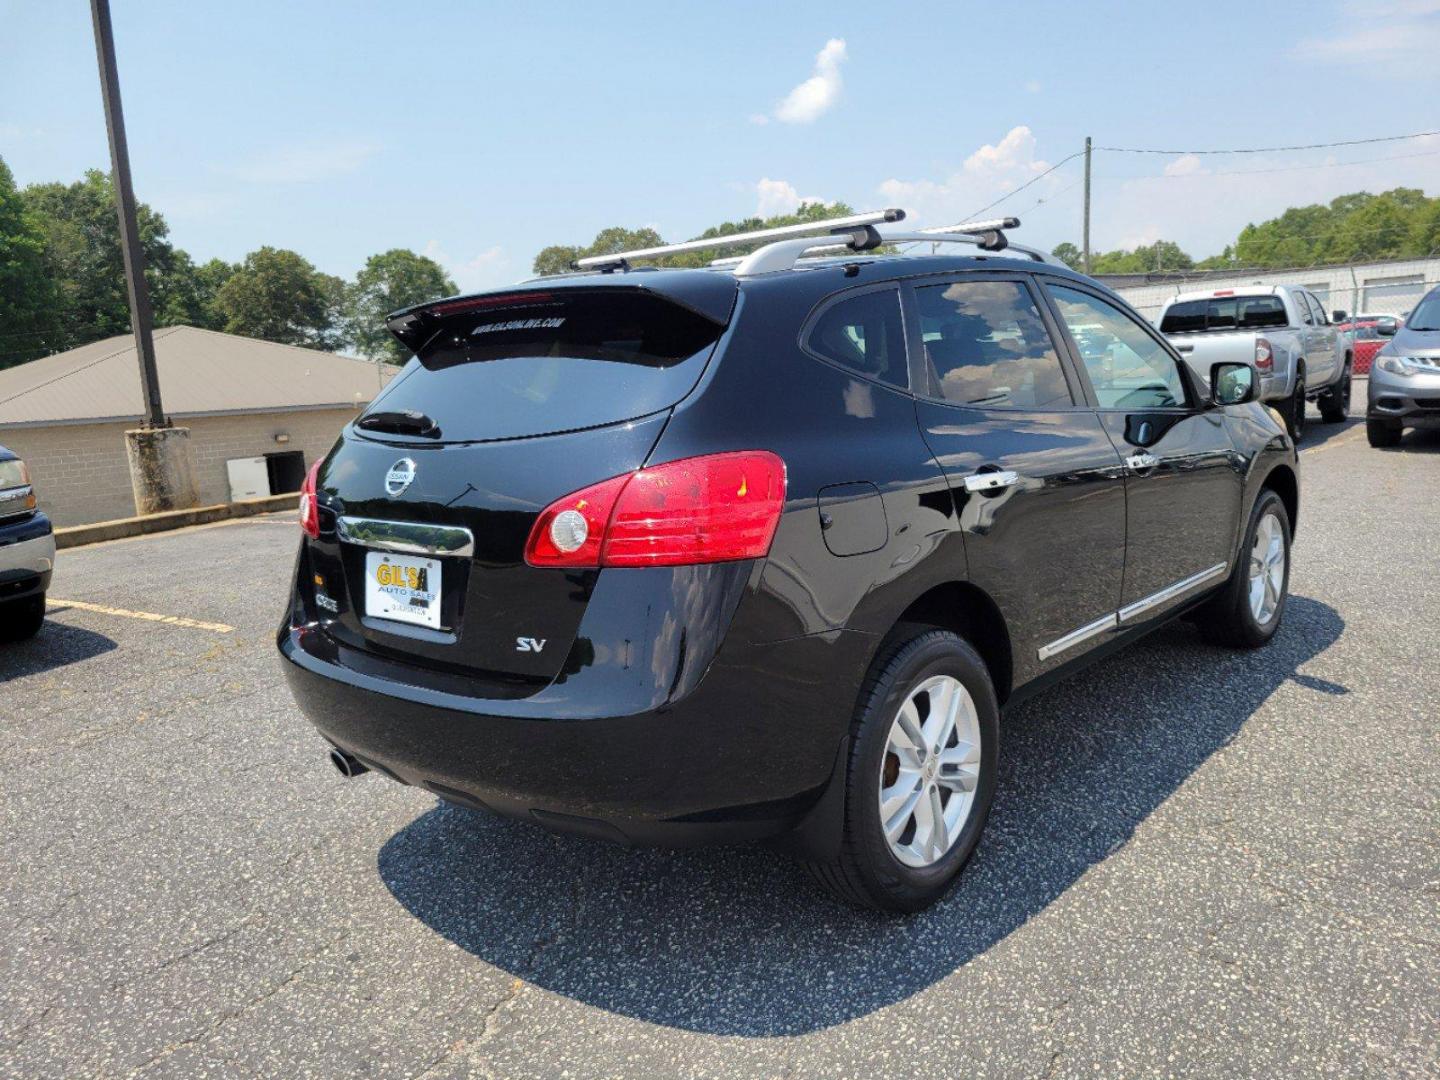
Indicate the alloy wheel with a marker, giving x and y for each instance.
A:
(1267, 569)
(930, 771)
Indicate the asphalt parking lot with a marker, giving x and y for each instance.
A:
(1199, 863)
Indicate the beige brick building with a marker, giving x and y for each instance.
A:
(67, 414)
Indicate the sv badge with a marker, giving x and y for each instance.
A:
(530, 644)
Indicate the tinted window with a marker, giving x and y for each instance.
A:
(1128, 368)
(1302, 308)
(1223, 313)
(546, 362)
(1426, 315)
(863, 333)
(987, 345)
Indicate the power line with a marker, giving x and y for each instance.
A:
(1287, 168)
(1271, 149)
(1016, 191)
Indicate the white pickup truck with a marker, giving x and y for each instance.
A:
(1283, 330)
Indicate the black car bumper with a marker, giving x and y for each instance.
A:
(27, 551)
(747, 754)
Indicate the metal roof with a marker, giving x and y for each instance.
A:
(202, 372)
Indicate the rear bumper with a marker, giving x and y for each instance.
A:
(746, 754)
(27, 557)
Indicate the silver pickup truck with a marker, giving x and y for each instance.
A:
(1283, 330)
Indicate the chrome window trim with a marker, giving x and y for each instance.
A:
(1170, 592)
(406, 537)
(1075, 637)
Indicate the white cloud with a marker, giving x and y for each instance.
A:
(816, 95)
(299, 163)
(1399, 37)
(779, 197)
(486, 270)
(1185, 165)
(983, 177)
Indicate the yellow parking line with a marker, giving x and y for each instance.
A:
(145, 616)
(1339, 440)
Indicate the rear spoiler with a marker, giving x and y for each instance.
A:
(708, 294)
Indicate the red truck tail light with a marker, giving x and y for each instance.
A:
(309, 508)
(716, 508)
(1264, 357)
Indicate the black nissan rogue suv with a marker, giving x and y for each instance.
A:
(756, 551)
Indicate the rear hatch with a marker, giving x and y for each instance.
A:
(513, 400)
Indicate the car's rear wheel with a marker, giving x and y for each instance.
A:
(921, 774)
(1335, 405)
(21, 619)
(1295, 410)
(1383, 433)
(1246, 613)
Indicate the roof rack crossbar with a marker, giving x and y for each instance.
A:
(986, 235)
(858, 225)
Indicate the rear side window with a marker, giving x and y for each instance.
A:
(536, 363)
(987, 346)
(1224, 313)
(863, 333)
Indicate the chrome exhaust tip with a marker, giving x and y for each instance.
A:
(347, 765)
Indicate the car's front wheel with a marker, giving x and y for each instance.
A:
(1383, 433)
(1246, 613)
(21, 619)
(921, 774)
(1335, 405)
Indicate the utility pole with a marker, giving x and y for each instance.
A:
(1087, 204)
(162, 467)
(140, 316)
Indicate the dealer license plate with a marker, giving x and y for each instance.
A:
(405, 588)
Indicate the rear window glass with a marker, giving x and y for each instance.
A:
(1224, 313)
(988, 346)
(864, 333)
(552, 362)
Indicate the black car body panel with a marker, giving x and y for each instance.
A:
(679, 704)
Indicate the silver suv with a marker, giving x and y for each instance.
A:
(27, 552)
(1405, 378)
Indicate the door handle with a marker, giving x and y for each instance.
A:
(1141, 462)
(991, 481)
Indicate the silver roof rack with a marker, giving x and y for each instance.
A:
(859, 230)
(986, 235)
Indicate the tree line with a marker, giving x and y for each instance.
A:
(62, 281)
(1398, 224)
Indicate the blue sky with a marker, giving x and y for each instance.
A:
(483, 132)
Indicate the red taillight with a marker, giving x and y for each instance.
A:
(309, 508)
(697, 510)
(1264, 358)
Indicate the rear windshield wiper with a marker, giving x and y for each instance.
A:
(400, 422)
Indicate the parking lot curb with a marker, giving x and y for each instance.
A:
(119, 528)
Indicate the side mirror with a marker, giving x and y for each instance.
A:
(1385, 329)
(1232, 384)
(1339, 316)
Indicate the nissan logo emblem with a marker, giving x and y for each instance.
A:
(400, 477)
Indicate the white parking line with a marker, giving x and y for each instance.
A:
(144, 616)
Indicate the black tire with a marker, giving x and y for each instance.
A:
(1295, 410)
(1228, 618)
(1335, 404)
(1383, 433)
(21, 619)
(867, 872)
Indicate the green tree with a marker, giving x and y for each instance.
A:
(27, 288)
(390, 281)
(277, 295)
(1069, 254)
(559, 258)
(82, 250)
(1159, 256)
